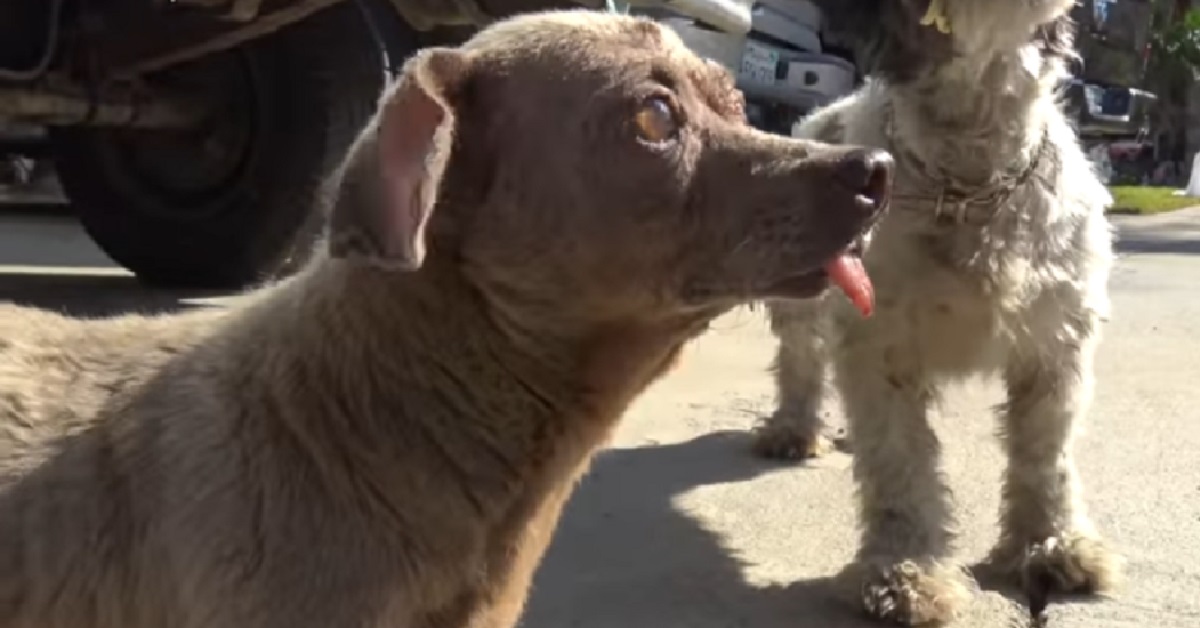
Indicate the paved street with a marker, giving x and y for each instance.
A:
(678, 526)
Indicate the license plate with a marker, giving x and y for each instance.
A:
(758, 63)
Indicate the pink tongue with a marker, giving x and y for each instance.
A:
(848, 273)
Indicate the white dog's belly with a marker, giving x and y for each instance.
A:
(947, 333)
(950, 321)
(958, 334)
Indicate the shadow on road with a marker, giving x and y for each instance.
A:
(47, 239)
(625, 556)
(93, 295)
(47, 261)
(1150, 245)
(1157, 235)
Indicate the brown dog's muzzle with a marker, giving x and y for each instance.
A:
(867, 175)
(803, 209)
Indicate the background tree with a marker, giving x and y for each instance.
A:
(1172, 68)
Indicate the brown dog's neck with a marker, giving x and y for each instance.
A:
(417, 357)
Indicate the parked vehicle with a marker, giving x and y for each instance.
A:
(783, 62)
(192, 137)
(1113, 115)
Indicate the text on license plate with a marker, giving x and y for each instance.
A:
(758, 63)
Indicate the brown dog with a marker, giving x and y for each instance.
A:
(386, 439)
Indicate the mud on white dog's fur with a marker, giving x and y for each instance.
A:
(994, 258)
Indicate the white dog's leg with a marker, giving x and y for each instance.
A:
(903, 570)
(793, 431)
(1047, 540)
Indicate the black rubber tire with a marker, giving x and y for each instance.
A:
(311, 86)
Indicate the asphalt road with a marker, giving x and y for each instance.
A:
(678, 526)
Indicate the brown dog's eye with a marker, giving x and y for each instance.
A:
(656, 121)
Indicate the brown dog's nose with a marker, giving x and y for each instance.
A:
(868, 173)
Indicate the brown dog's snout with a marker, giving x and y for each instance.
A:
(867, 173)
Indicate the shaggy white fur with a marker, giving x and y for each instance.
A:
(1012, 282)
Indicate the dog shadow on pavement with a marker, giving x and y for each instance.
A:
(624, 557)
(95, 295)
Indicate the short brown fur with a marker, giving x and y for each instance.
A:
(388, 437)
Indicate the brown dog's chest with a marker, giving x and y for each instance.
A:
(615, 369)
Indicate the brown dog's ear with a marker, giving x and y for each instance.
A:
(390, 184)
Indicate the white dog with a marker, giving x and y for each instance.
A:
(994, 258)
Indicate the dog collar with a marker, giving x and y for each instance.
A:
(979, 206)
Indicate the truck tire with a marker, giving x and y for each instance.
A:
(235, 201)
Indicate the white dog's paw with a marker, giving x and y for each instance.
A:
(906, 593)
(1072, 564)
(784, 438)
